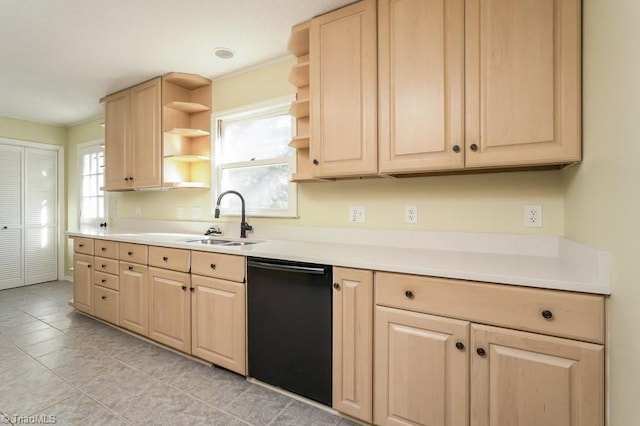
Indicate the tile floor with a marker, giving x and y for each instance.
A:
(58, 366)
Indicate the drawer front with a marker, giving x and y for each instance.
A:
(216, 265)
(106, 280)
(168, 258)
(105, 248)
(83, 245)
(559, 313)
(110, 266)
(135, 253)
(106, 304)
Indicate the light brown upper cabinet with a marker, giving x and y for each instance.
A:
(522, 82)
(343, 80)
(133, 150)
(157, 134)
(478, 84)
(421, 85)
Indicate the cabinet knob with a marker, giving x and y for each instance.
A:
(193, 289)
(184, 288)
(336, 286)
(5, 227)
(80, 245)
(456, 148)
(130, 177)
(165, 258)
(103, 266)
(89, 266)
(408, 294)
(103, 249)
(126, 178)
(103, 280)
(130, 253)
(481, 352)
(213, 266)
(460, 346)
(315, 162)
(546, 314)
(131, 268)
(104, 297)
(473, 147)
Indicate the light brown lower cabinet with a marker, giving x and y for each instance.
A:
(170, 308)
(527, 379)
(83, 282)
(134, 297)
(218, 323)
(353, 342)
(421, 369)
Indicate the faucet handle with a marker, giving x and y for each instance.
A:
(213, 230)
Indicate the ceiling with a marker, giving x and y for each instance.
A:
(59, 57)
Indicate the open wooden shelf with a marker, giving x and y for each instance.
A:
(188, 81)
(188, 107)
(299, 39)
(300, 108)
(299, 75)
(300, 142)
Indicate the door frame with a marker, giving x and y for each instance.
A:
(61, 189)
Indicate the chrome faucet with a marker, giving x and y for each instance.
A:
(244, 226)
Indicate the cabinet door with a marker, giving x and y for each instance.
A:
(146, 142)
(134, 297)
(107, 304)
(353, 342)
(170, 308)
(116, 142)
(83, 283)
(522, 82)
(421, 85)
(527, 379)
(218, 322)
(343, 84)
(422, 377)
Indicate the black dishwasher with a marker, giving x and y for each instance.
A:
(289, 309)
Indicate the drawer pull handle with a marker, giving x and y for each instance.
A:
(184, 288)
(213, 266)
(131, 268)
(336, 286)
(409, 294)
(546, 314)
(130, 253)
(460, 346)
(481, 352)
(104, 297)
(165, 258)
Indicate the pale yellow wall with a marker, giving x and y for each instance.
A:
(473, 203)
(602, 201)
(34, 132)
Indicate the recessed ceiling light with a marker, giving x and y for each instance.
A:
(224, 53)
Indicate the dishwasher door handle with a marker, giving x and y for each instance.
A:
(287, 268)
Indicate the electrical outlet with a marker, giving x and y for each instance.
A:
(410, 214)
(179, 212)
(533, 216)
(357, 214)
(138, 211)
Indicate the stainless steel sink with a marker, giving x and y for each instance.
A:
(222, 242)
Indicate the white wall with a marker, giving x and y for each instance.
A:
(602, 196)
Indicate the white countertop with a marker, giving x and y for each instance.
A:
(544, 262)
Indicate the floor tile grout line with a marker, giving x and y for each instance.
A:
(280, 412)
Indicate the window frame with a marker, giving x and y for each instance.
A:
(83, 149)
(269, 108)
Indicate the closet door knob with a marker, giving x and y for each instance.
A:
(5, 227)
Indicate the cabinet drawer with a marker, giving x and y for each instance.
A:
(83, 245)
(224, 266)
(110, 266)
(106, 249)
(136, 253)
(106, 280)
(107, 304)
(559, 313)
(168, 258)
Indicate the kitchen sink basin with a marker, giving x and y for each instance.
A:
(222, 242)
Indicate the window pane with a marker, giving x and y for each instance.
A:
(89, 206)
(256, 138)
(263, 187)
(86, 164)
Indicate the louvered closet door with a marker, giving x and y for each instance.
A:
(10, 216)
(41, 211)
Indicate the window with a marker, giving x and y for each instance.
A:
(253, 157)
(91, 195)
